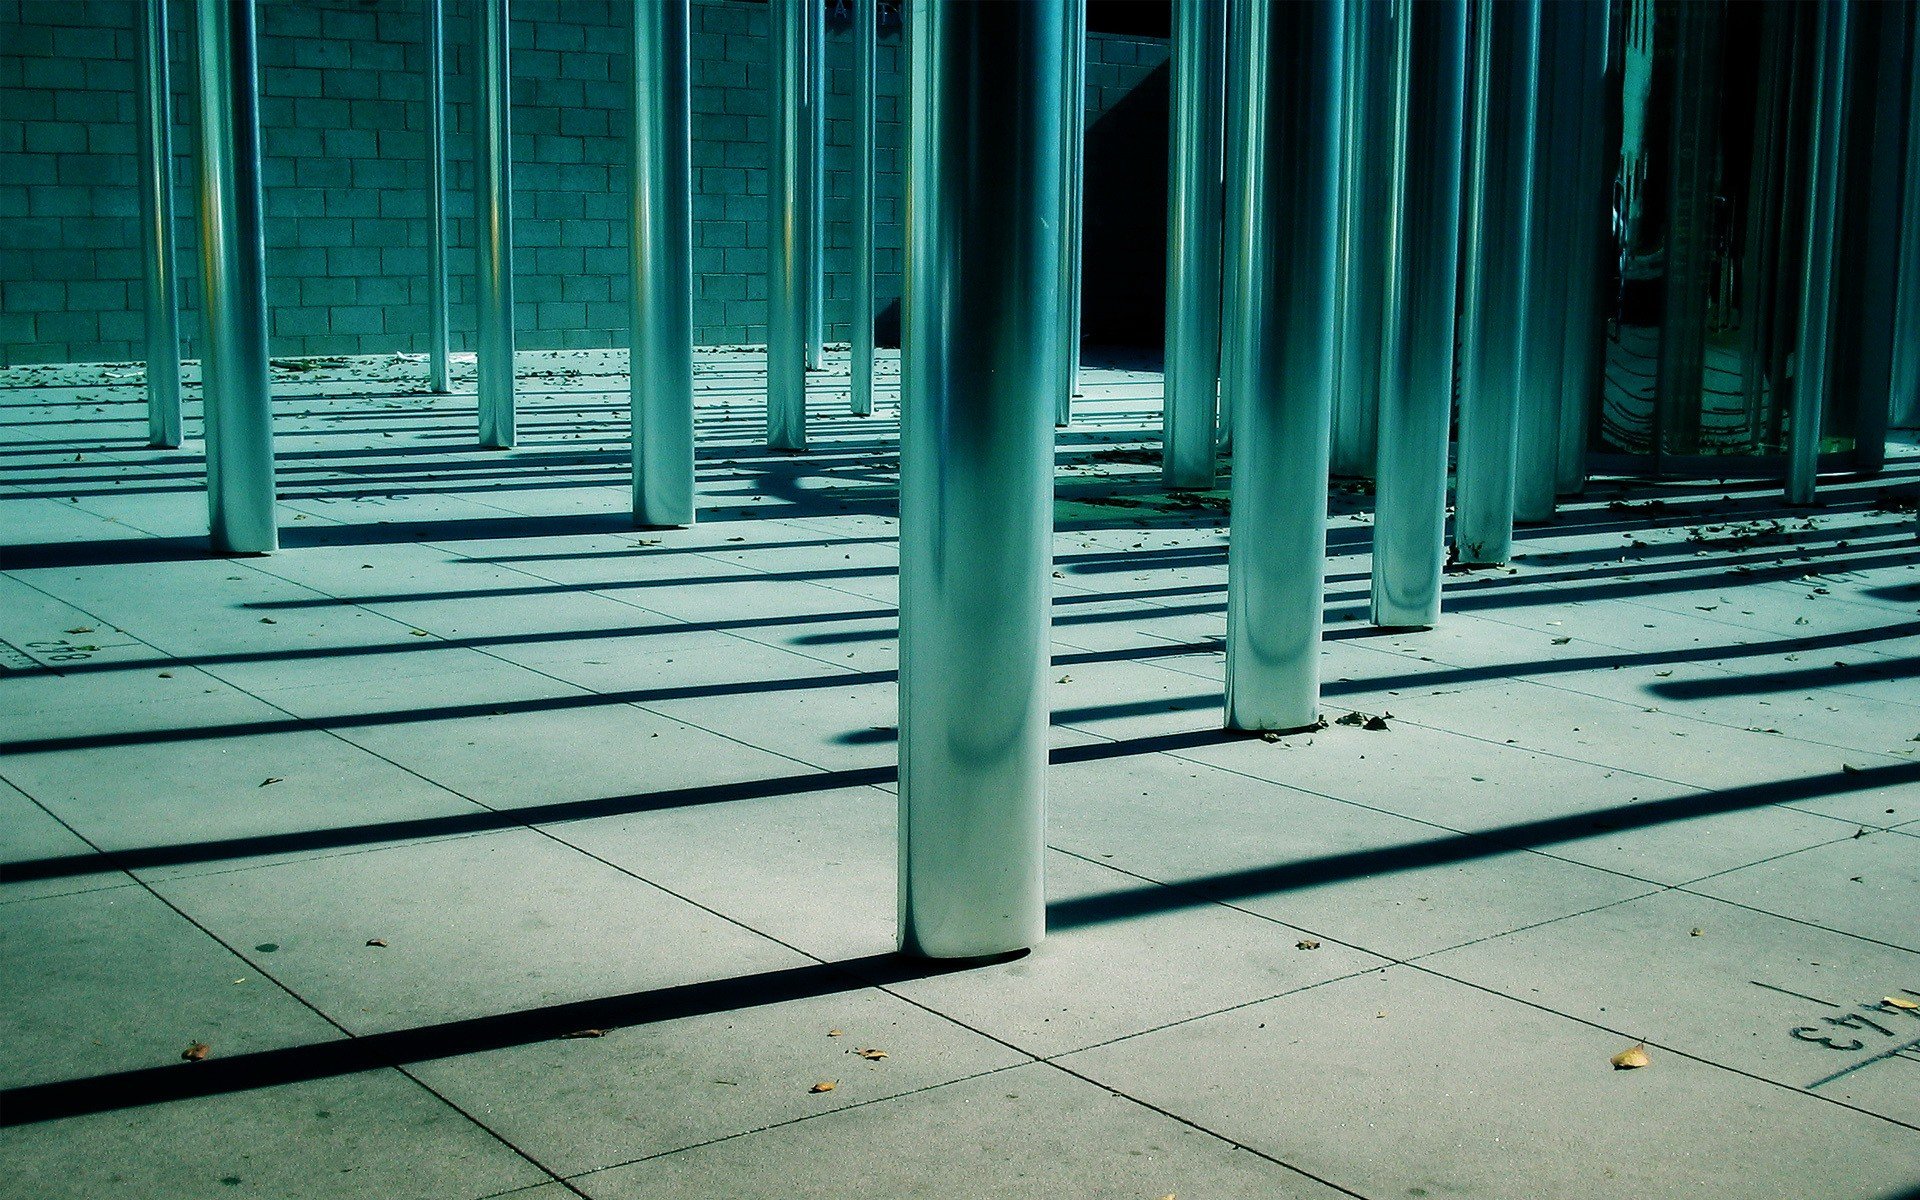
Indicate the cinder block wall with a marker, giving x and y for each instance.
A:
(343, 119)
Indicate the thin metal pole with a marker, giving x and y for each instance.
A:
(1073, 140)
(1498, 223)
(162, 290)
(1537, 423)
(1194, 196)
(1416, 385)
(1365, 190)
(865, 48)
(1581, 355)
(1693, 155)
(1233, 276)
(436, 196)
(1906, 327)
(661, 367)
(976, 480)
(789, 216)
(1286, 335)
(1820, 237)
(233, 367)
(816, 102)
(493, 242)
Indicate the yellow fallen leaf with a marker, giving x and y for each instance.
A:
(1307, 944)
(1897, 1002)
(196, 1052)
(825, 1085)
(1630, 1058)
(871, 1053)
(835, 1033)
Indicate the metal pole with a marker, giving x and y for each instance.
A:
(789, 216)
(1365, 191)
(1287, 337)
(1073, 139)
(865, 38)
(493, 243)
(976, 481)
(436, 196)
(1194, 196)
(1495, 330)
(661, 366)
(1590, 203)
(1906, 327)
(1537, 423)
(1233, 278)
(1416, 385)
(816, 188)
(156, 228)
(233, 366)
(1820, 237)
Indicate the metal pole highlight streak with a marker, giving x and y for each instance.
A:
(1286, 338)
(1365, 192)
(493, 239)
(162, 288)
(1073, 141)
(1495, 321)
(1194, 197)
(660, 370)
(1820, 239)
(816, 188)
(789, 217)
(976, 481)
(1416, 385)
(865, 49)
(233, 366)
(437, 337)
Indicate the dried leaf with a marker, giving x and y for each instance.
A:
(1632, 1057)
(271, 779)
(1697, 931)
(1376, 724)
(836, 1033)
(825, 1085)
(196, 1052)
(1352, 718)
(268, 621)
(871, 1053)
(1307, 944)
(1561, 641)
(1899, 1002)
(586, 1033)
(376, 941)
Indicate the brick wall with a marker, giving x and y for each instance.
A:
(343, 128)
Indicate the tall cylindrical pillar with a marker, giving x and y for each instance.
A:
(233, 281)
(1495, 328)
(162, 289)
(1366, 187)
(661, 367)
(437, 337)
(1285, 336)
(976, 482)
(1556, 157)
(816, 102)
(865, 49)
(1233, 278)
(1416, 385)
(789, 232)
(1812, 359)
(493, 237)
(1906, 319)
(1582, 354)
(1073, 141)
(1194, 197)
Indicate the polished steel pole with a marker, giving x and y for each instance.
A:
(865, 49)
(1820, 237)
(661, 367)
(1233, 276)
(233, 284)
(1366, 188)
(1416, 385)
(493, 240)
(976, 481)
(1194, 196)
(1556, 154)
(1286, 335)
(1073, 139)
(1494, 329)
(816, 102)
(1589, 206)
(789, 215)
(162, 289)
(1906, 327)
(437, 336)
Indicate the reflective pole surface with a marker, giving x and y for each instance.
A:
(865, 49)
(1495, 331)
(1073, 141)
(789, 234)
(1366, 189)
(1906, 328)
(1194, 197)
(162, 290)
(661, 367)
(1556, 154)
(493, 241)
(1233, 277)
(436, 196)
(1285, 336)
(233, 367)
(1820, 238)
(816, 102)
(976, 479)
(1416, 385)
